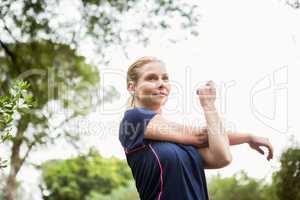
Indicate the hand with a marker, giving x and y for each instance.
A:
(257, 142)
(207, 95)
(199, 141)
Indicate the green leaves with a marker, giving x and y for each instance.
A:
(239, 186)
(17, 101)
(288, 177)
(83, 176)
(285, 183)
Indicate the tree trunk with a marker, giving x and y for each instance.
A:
(15, 160)
(11, 187)
(15, 164)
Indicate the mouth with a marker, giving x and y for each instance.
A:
(160, 94)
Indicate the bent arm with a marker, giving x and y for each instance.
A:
(160, 128)
(217, 154)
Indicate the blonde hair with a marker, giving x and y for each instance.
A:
(133, 74)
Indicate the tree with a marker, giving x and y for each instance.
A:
(99, 22)
(287, 179)
(17, 102)
(56, 74)
(293, 3)
(40, 45)
(122, 193)
(80, 177)
(240, 187)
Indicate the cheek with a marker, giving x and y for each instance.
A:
(168, 86)
(147, 87)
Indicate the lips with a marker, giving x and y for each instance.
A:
(160, 94)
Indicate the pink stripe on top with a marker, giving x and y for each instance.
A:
(161, 171)
(134, 150)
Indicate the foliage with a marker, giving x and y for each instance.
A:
(83, 176)
(239, 186)
(18, 101)
(100, 22)
(61, 83)
(287, 180)
(121, 193)
(285, 183)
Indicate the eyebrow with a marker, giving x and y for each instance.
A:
(165, 74)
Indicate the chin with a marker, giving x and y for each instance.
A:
(161, 102)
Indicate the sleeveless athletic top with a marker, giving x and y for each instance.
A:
(162, 170)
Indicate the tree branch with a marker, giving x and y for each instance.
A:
(8, 52)
(8, 31)
(27, 152)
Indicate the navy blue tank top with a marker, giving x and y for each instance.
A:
(162, 170)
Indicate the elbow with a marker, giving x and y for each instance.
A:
(225, 160)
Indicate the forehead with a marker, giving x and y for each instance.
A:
(153, 67)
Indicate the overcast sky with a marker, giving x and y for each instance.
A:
(250, 49)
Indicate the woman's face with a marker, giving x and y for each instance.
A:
(152, 88)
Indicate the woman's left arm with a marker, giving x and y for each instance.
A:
(255, 142)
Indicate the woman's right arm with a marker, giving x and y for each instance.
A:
(217, 154)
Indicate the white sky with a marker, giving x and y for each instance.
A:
(252, 48)
(249, 47)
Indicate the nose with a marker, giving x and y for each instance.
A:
(161, 84)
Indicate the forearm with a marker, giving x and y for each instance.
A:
(238, 138)
(234, 138)
(217, 138)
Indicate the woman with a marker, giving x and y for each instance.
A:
(167, 159)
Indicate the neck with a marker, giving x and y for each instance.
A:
(155, 108)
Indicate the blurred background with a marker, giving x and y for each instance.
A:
(63, 66)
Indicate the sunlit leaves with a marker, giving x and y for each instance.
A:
(78, 178)
(18, 101)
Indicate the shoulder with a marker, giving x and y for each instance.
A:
(135, 114)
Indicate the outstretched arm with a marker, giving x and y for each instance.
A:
(255, 142)
(160, 128)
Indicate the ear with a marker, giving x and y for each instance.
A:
(131, 87)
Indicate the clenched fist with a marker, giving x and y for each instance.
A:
(207, 95)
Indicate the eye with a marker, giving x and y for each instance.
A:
(166, 78)
(151, 77)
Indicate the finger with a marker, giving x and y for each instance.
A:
(201, 140)
(268, 145)
(271, 152)
(210, 83)
(260, 150)
(204, 145)
(202, 90)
